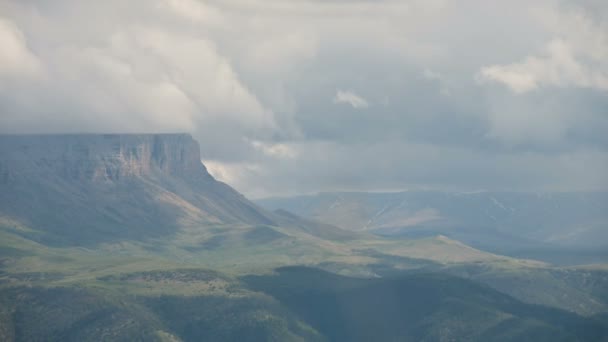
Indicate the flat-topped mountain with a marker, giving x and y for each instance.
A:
(95, 157)
(89, 188)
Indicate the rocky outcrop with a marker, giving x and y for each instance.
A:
(90, 188)
(96, 157)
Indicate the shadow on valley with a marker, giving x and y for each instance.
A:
(295, 304)
(416, 307)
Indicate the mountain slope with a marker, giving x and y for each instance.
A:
(101, 313)
(87, 189)
(295, 304)
(149, 194)
(316, 228)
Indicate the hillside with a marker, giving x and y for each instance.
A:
(417, 307)
(85, 189)
(149, 194)
(563, 228)
(295, 304)
(128, 237)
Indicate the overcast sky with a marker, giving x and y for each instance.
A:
(302, 96)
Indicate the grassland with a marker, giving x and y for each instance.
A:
(151, 280)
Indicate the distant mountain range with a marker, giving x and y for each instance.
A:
(558, 227)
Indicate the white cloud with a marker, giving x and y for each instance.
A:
(224, 172)
(196, 11)
(15, 57)
(208, 79)
(557, 67)
(515, 77)
(575, 56)
(277, 150)
(350, 98)
(133, 75)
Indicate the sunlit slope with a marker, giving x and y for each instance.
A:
(258, 250)
(236, 249)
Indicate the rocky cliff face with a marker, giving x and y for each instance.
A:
(90, 188)
(93, 157)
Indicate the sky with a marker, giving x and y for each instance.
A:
(302, 96)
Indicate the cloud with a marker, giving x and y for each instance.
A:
(350, 98)
(279, 151)
(196, 11)
(515, 77)
(398, 166)
(125, 74)
(556, 67)
(575, 56)
(15, 57)
(279, 93)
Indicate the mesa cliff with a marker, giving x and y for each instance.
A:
(90, 188)
(100, 157)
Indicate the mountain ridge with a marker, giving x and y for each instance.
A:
(99, 157)
(566, 228)
(151, 183)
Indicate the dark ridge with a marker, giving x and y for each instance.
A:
(417, 307)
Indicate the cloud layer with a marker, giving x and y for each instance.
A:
(308, 95)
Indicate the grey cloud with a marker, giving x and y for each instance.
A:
(400, 166)
(255, 82)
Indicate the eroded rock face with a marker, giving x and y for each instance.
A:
(83, 189)
(96, 157)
